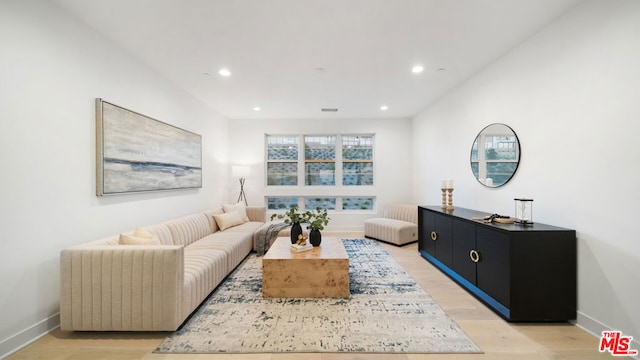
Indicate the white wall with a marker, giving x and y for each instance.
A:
(51, 70)
(571, 95)
(392, 167)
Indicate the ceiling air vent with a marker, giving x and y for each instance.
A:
(329, 109)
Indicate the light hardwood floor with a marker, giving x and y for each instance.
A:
(496, 337)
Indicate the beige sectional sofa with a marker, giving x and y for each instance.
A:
(107, 285)
(398, 224)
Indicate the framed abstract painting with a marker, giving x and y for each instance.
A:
(136, 153)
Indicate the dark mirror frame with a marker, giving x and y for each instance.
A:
(505, 151)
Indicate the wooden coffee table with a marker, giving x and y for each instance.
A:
(321, 272)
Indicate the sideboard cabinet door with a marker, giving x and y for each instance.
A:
(434, 235)
(444, 231)
(426, 226)
(493, 269)
(464, 242)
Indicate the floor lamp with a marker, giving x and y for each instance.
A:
(240, 172)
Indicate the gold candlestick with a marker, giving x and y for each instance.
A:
(450, 206)
(444, 198)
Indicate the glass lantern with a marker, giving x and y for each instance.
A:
(524, 211)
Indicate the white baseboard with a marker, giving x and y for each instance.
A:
(590, 325)
(595, 327)
(16, 342)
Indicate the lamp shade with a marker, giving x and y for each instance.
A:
(240, 171)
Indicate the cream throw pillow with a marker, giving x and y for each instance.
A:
(139, 237)
(239, 207)
(228, 220)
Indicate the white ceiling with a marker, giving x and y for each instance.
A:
(275, 48)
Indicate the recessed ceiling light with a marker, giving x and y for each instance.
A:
(256, 108)
(417, 69)
(224, 72)
(384, 107)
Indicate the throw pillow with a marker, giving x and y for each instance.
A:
(126, 239)
(139, 237)
(239, 207)
(228, 220)
(140, 232)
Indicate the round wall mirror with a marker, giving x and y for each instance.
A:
(495, 155)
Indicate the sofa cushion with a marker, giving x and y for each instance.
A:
(204, 269)
(250, 227)
(394, 231)
(257, 213)
(188, 229)
(404, 212)
(236, 245)
(162, 232)
(228, 220)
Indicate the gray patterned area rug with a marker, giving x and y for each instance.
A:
(386, 313)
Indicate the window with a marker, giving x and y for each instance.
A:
(328, 203)
(357, 160)
(282, 160)
(320, 160)
(324, 170)
(281, 202)
(358, 203)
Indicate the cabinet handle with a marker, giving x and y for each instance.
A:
(474, 255)
(434, 236)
